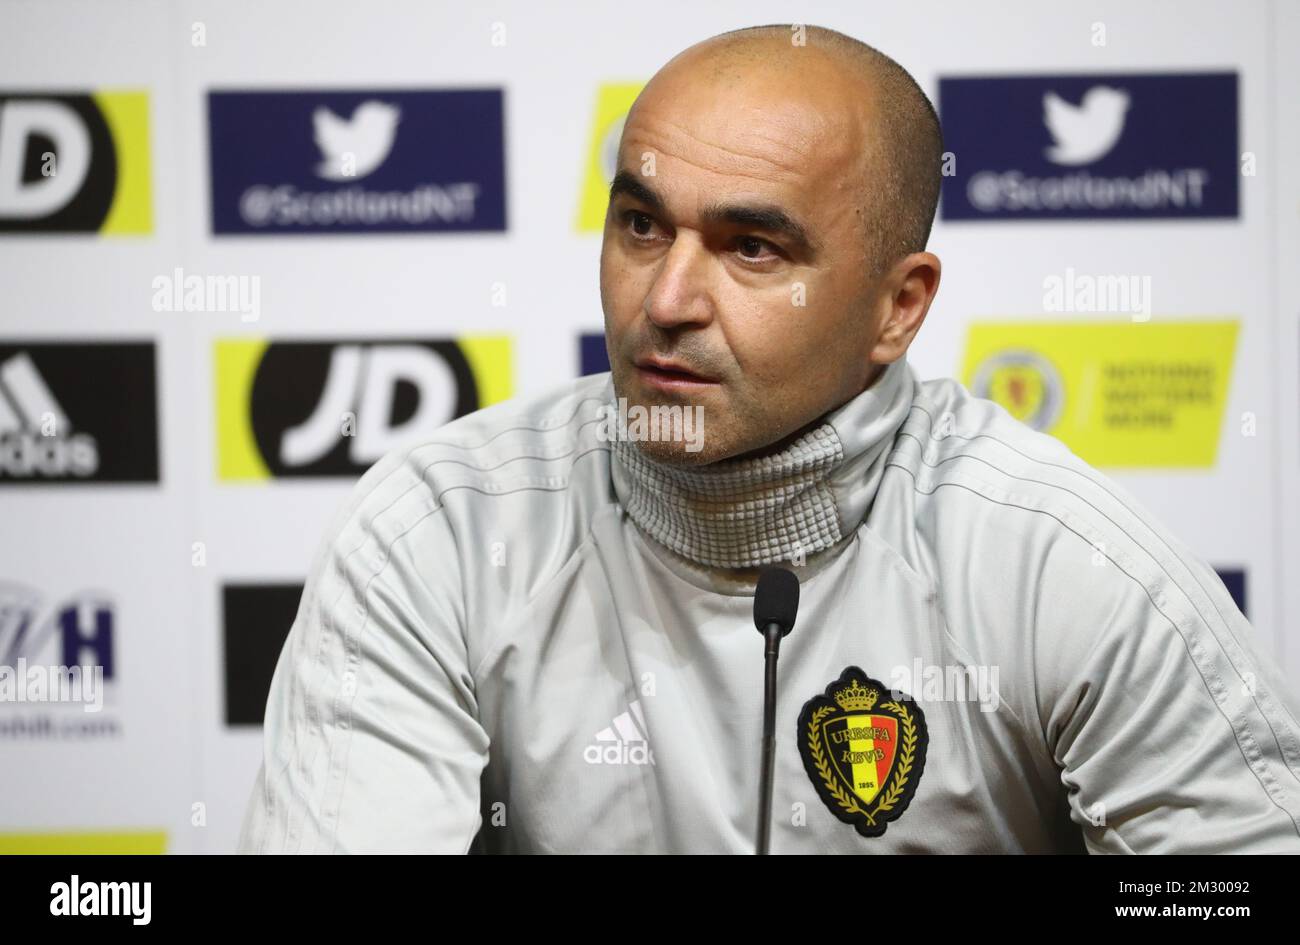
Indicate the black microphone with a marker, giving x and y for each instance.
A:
(776, 600)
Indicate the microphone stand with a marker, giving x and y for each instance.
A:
(771, 650)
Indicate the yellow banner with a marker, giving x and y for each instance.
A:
(613, 101)
(127, 116)
(1118, 394)
(42, 844)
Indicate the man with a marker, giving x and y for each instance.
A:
(534, 636)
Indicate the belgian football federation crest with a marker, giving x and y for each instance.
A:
(863, 746)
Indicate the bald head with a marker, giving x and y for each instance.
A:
(874, 99)
(764, 245)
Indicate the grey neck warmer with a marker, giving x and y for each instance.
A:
(743, 513)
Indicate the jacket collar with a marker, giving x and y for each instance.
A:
(783, 507)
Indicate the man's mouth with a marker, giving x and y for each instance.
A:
(670, 375)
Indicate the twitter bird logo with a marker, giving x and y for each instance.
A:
(353, 148)
(1087, 131)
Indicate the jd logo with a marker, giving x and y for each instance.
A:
(75, 163)
(335, 408)
(359, 400)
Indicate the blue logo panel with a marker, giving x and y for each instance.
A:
(357, 162)
(1110, 146)
(593, 357)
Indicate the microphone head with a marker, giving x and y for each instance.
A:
(776, 599)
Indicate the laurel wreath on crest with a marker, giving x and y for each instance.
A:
(898, 777)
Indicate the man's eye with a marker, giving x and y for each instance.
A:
(753, 248)
(642, 224)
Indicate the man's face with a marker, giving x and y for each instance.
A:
(735, 247)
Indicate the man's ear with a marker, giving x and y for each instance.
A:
(906, 293)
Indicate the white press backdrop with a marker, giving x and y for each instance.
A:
(174, 765)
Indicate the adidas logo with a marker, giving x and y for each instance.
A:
(623, 743)
(34, 430)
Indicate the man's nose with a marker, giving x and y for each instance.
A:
(680, 293)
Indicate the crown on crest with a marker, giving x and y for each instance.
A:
(857, 697)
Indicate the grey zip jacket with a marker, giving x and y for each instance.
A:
(516, 638)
